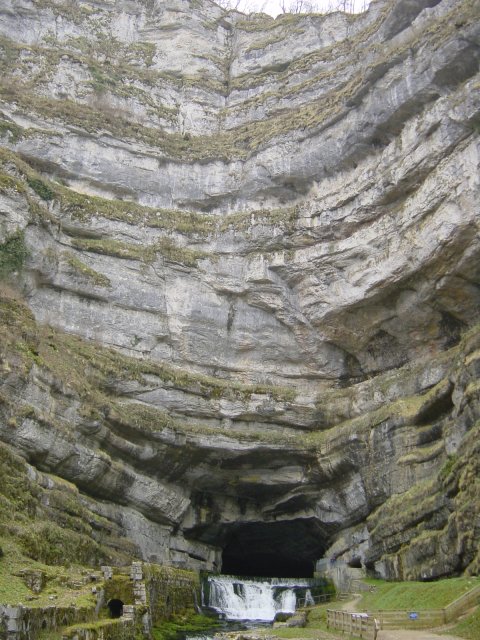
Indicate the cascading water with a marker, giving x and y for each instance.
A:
(255, 599)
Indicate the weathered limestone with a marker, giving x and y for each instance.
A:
(281, 248)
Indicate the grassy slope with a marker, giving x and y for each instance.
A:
(26, 527)
(64, 585)
(469, 627)
(415, 595)
(393, 595)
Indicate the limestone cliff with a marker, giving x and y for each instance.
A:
(247, 250)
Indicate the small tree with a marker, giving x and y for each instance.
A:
(296, 6)
(245, 6)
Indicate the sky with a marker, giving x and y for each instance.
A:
(273, 7)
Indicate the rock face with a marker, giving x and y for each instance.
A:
(250, 251)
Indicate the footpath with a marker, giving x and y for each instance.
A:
(405, 634)
(397, 634)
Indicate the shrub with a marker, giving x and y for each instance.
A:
(13, 253)
(41, 189)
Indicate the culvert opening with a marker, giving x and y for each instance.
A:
(355, 563)
(115, 606)
(279, 549)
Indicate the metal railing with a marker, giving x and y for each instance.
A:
(312, 600)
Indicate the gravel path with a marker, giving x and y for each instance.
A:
(405, 634)
(399, 634)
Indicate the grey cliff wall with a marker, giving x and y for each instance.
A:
(274, 225)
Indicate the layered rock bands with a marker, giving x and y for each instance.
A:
(240, 270)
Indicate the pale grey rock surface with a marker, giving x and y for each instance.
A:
(310, 220)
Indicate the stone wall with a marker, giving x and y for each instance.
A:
(25, 623)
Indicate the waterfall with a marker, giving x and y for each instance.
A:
(256, 599)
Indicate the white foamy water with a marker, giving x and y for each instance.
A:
(240, 599)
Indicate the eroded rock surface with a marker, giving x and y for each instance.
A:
(252, 262)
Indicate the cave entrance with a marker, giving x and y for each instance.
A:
(115, 607)
(286, 549)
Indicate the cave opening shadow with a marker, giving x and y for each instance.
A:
(115, 607)
(279, 550)
(266, 565)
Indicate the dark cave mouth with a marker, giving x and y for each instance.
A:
(115, 607)
(285, 549)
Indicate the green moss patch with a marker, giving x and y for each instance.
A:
(47, 526)
(41, 188)
(86, 272)
(13, 254)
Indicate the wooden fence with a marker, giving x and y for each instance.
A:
(423, 619)
(462, 604)
(365, 625)
(426, 618)
(359, 625)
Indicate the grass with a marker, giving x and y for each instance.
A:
(316, 624)
(91, 371)
(42, 190)
(239, 142)
(12, 587)
(143, 253)
(12, 131)
(48, 526)
(468, 628)
(59, 581)
(84, 207)
(189, 622)
(415, 595)
(396, 596)
(83, 270)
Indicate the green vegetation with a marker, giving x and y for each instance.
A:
(188, 622)
(415, 595)
(84, 207)
(106, 630)
(404, 410)
(13, 254)
(41, 188)
(120, 76)
(69, 9)
(393, 596)
(316, 623)
(91, 372)
(10, 183)
(116, 248)
(85, 271)
(448, 467)
(469, 627)
(183, 255)
(11, 130)
(47, 526)
(147, 254)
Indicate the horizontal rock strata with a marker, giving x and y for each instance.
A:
(243, 287)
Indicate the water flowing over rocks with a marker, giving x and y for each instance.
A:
(248, 326)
